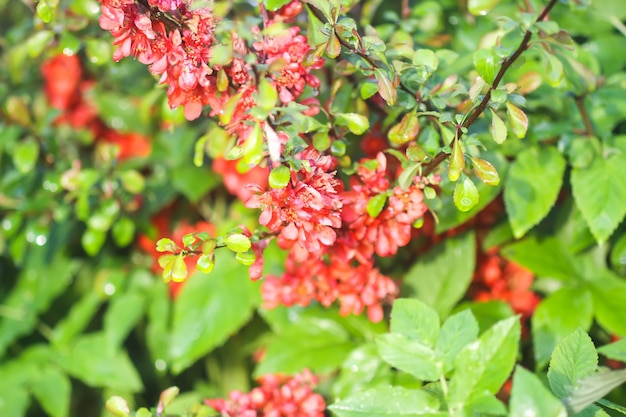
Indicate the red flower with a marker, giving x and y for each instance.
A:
(276, 396)
(63, 75)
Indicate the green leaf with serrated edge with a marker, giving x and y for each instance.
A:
(600, 191)
(376, 204)
(615, 350)
(415, 320)
(206, 263)
(386, 89)
(238, 242)
(592, 388)
(456, 332)
(387, 401)
(227, 293)
(452, 262)
(481, 7)
(179, 269)
(557, 316)
(485, 364)
(279, 177)
(166, 245)
(356, 123)
(486, 62)
(91, 361)
(406, 130)
(410, 356)
(497, 128)
(53, 391)
(532, 186)
(361, 370)
(315, 343)
(529, 397)
(121, 317)
(465, 194)
(573, 358)
(517, 120)
(609, 297)
(485, 171)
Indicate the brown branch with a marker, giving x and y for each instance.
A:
(580, 104)
(506, 64)
(406, 10)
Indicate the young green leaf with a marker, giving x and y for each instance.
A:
(465, 194)
(179, 269)
(554, 70)
(456, 163)
(376, 204)
(415, 320)
(386, 88)
(267, 95)
(279, 177)
(206, 263)
(356, 123)
(517, 119)
(273, 5)
(485, 171)
(486, 63)
(123, 231)
(166, 245)
(387, 401)
(132, 181)
(237, 242)
(498, 128)
(529, 397)
(92, 241)
(481, 7)
(406, 130)
(409, 356)
(118, 406)
(333, 47)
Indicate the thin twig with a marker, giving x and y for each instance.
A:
(580, 104)
(406, 10)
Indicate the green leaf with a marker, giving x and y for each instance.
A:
(592, 388)
(386, 88)
(123, 231)
(45, 11)
(554, 70)
(465, 194)
(558, 316)
(333, 46)
(227, 293)
(415, 320)
(166, 245)
(18, 404)
(267, 95)
(481, 7)
(456, 332)
(362, 369)
(456, 163)
(485, 171)
(387, 401)
(99, 52)
(193, 182)
(452, 262)
(356, 123)
(498, 128)
(123, 314)
(609, 298)
(406, 130)
(407, 176)
(410, 356)
(53, 391)
(77, 319)
(484, 365)
(179, 268)
(615, 350)
(280, 177)
(117, 406)
(37, 43)
(25, 156)
(600, 191)
(206, 263)
(321, 140)
(315, 343)
(238, 242)
(486, 62)
(132, 181)
(91, 361)
(517, 119)
(529, 397)
(92, 241)
(273, 5)
(376, 204)
(574, 358)
(532, 186)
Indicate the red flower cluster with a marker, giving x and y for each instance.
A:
(277, 396)
(175, 39)
(306, 213)
(66, 89)
(498, 279)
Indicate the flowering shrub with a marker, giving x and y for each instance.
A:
(362, 207)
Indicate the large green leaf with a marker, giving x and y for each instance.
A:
(441, 277)
(600, 192)
(532, 186)
(410, 356)
(209, 309)
(91, 361)
(415, 320)
(529, 397)
(558, 316)
(484, 365)
(387, 402)
(362, 369)
(53, 392)
(456, 332)
(318, 344)
(609, 299)
(122, 315)
(574, 358)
